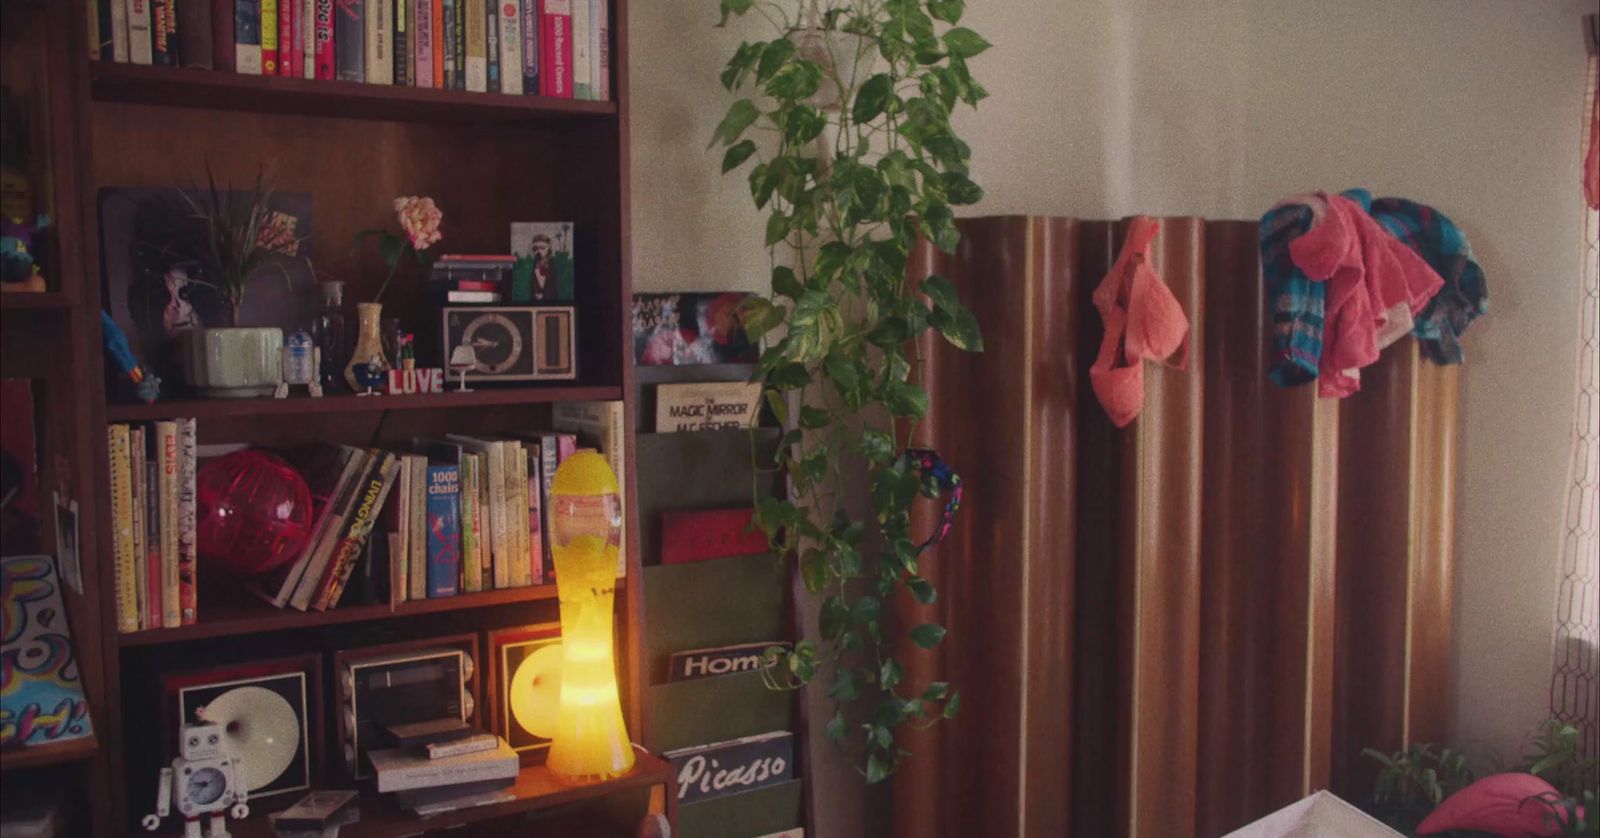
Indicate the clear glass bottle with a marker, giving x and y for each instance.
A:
(332, 337)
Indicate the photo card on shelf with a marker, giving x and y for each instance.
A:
(691, 328)
(270, 711)
(525, 686)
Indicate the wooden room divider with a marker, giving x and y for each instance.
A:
(1177, 627)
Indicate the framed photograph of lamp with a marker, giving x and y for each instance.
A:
(270, 712)
(524, 686)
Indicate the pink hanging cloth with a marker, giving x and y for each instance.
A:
(1143, 322)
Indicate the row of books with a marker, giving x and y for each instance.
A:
(556, 48)
(152, 474)
(462, 514)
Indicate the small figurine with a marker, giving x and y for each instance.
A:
(204, 780)
(408, 351)
(301, 360)
(463, 359)
(371, 374)
(18, 270)
(116, 343)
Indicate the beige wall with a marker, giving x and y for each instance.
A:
(1110, 107)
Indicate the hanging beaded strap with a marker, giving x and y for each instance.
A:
(934, 469)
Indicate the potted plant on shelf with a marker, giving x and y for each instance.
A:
(239, 233)
(844, 116)
(419, 224)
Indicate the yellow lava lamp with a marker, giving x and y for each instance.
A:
(591, 740)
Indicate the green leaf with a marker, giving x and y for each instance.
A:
(835, 618)
(880, 733)
(927, 635)
(786, 283)
(830, 260)
(763, 181)
(836, 727)
(848, 377)
(921, 589)
(741, 115)
(814, 570)
(845, 686)
(738, 67)
(878, 768)
(907, 400)
(948, 11)
(939, 225)
(877, 446)
(890, 332)
(737, 154)
(935, 691)
(866, 609)
(760, 316)
(790, 376)
(734, 7)
(959, 327)
(773, 56)
(890, 674)
(795, 80)
(872, 99)
(960, 190)
(952, 706)
(940, 291)
(802, 124)
(778, 226)
(964, 43)
(779, 406)
(806, 326)
(848, 560)
(812, 418)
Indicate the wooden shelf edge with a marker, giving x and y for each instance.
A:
(260, 617)
(304, 405)
(23, 301)
(59, 753)
(220, 90)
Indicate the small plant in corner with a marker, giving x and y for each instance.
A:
(843, 119)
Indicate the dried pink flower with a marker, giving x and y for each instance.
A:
(276, 234)
(419, 218)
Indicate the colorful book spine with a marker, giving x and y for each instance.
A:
(308, 39)
(444, 531)
(530, 47)
(600, 47)
(121, 479)
(447, 44)
(535, 490)
(163, 28)
(555, 48)
(471, 564)
(118, 11)
(327, 60)
(581, 87)
(418, 548)
(436, 25)
(511, 47)
(247, 37)
(269, 37)
(167, 458)
(549, 460)
(477, 65)
(152, 544)
(517, 496)
(188, 604)
(140, 486)
(194, 33)
(400, 49)
(349, 39)
(140, 41)
(380, 31)
(461, 43)
(286, 39)
(399, 536)
(422, 41)
(491, 37)
(363, 517)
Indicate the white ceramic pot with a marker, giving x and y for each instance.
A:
(234, 363)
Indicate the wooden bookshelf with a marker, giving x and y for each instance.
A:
(489, 160)
(301, 404)
(247, 615)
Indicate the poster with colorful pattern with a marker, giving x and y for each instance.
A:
(41, 698)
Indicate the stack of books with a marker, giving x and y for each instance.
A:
(438, 766)
(152, 476)
(470, 278)
(555, 48)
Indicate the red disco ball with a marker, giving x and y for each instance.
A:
(253, 512)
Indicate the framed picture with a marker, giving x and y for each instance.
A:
(271, 712)
(401, 683)
(41, 696)
(525, 686)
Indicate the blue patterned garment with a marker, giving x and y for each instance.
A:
(1465, 295)
(1295, 300)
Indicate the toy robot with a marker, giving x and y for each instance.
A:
(299, 362)
(206, 780)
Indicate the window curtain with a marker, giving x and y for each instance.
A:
(1575, 683)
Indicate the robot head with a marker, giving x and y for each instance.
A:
(200, 741)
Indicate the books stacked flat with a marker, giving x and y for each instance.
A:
(470, 278)
(442, 765)
(316, 815)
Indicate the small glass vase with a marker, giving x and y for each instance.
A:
(367, 361)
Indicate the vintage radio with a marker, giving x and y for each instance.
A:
(512, 343)
(383, 688)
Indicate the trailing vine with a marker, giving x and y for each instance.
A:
(852, 101)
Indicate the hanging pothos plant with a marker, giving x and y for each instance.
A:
(858, 161)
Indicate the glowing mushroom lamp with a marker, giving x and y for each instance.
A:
(591, 741)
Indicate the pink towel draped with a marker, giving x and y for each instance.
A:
(1143, 322)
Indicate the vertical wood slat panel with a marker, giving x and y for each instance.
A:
(1005, 575)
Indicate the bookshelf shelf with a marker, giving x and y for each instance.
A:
(248, 615)
(300, 405)
(210, 89)
(52, 300)
(536, 789)
(75, 750)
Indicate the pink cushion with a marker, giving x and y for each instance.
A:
(1499, 804)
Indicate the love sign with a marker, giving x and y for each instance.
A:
(410, 382)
